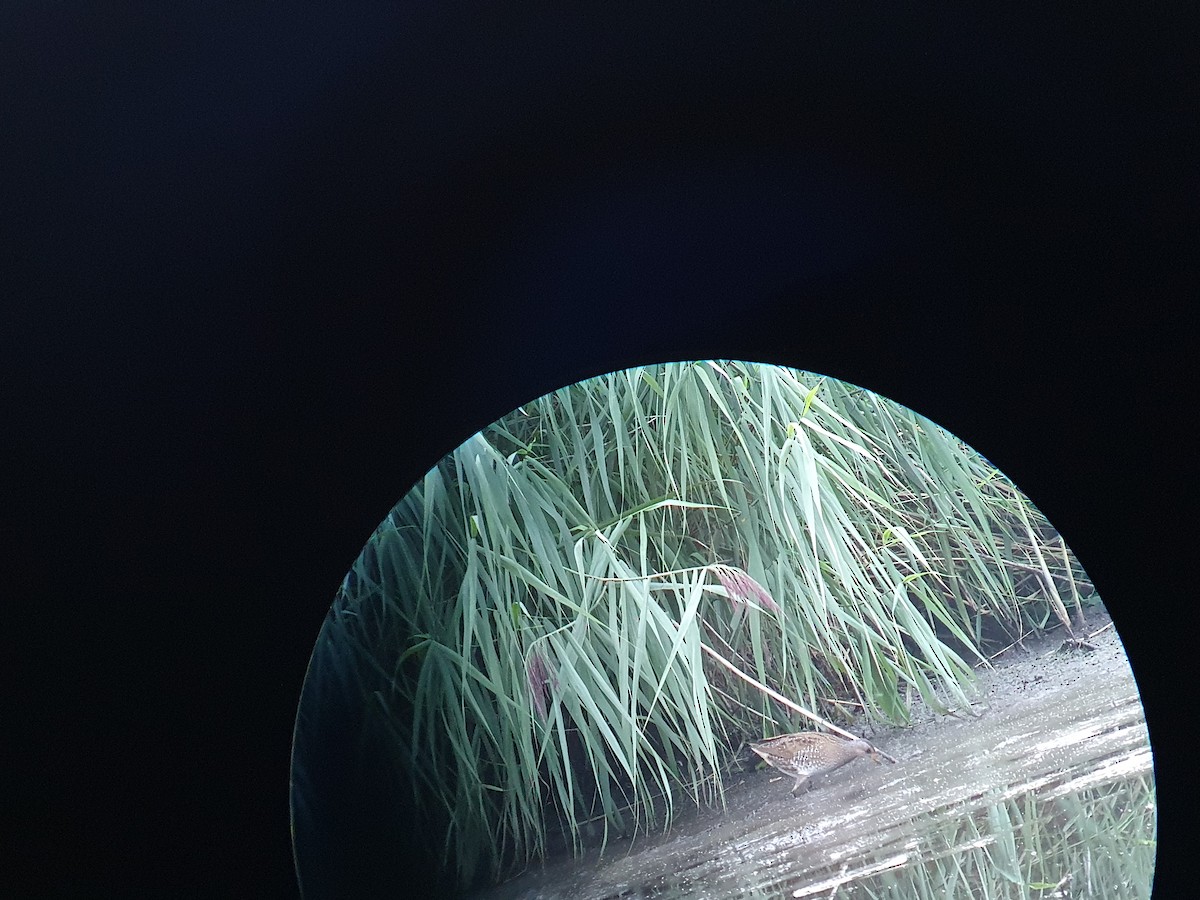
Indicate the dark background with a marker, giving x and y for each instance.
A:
(261, 268)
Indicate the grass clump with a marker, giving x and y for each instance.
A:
(1099, 842)
(534, 624)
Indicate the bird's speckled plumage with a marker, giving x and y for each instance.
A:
(808, 754)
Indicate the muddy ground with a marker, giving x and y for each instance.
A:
(1024, 676)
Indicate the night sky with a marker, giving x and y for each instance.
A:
(262, 267)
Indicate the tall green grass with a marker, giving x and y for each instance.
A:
(533, 623)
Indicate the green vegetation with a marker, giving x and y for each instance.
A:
(1097, 842)
(535, 623)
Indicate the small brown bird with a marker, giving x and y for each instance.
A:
(809, 754)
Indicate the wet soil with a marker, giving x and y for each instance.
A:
(1025, 680)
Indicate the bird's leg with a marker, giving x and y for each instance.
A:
(802, 784)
